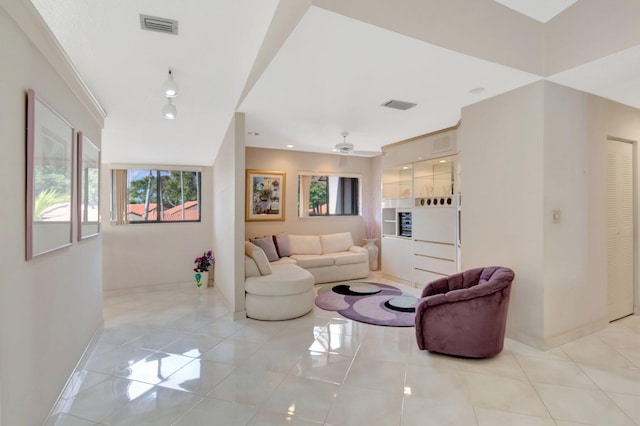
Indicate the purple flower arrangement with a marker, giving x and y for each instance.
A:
(204, 262)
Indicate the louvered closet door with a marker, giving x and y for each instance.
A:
(620, 254)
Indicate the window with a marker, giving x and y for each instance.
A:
(328, 195)
(152, 195)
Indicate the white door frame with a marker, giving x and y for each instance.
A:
(636, 208)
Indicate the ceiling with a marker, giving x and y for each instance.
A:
(304, 71)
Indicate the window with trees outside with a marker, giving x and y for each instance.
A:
(156, 196)
(328, 195)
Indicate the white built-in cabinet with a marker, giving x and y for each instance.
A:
(426, 194)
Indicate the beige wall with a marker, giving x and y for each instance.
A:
(501, 146)
(292, 162)
(574, 297)
(228, 216)
(499, 34)
(524, 154)
(485, 29)
(152, 254)
(601, 25)
(50, 307)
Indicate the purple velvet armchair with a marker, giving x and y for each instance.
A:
(465, 314)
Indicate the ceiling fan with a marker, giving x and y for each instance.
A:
(347, 148)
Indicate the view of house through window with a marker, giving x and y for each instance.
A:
(162, 195)
(328, 195)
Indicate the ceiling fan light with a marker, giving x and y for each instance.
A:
(344, 147)
(170, 88)
(169, 111)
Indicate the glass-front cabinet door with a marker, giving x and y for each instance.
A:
(397, 182)
(434, 178)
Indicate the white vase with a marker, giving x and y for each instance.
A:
(201, 279)
(373, 253)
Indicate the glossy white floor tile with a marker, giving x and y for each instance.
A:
(176, 357)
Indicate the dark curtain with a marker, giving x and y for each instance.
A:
(347, 199)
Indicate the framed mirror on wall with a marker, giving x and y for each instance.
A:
(88, 188)
(49, 179)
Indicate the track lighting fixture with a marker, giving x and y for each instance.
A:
(169, 111)
(170, 87)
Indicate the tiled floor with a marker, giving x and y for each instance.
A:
(175, 357)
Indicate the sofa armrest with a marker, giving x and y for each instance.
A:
(250, 267)
(358, 249)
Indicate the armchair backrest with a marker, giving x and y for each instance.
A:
(497, 276)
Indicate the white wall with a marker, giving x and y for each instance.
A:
(293, 162)
(502, 153)
(228, 216)
(50, 307)
(152, 254)
(524, 154)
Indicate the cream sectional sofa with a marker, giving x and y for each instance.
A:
(283, 288)
(330, 257)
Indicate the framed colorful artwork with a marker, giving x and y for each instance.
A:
(265, 195)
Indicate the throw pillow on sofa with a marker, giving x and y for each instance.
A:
(282, 245)
(268, 246)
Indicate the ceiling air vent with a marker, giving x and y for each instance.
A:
(399, 105)
(162, 25)
(442, 144)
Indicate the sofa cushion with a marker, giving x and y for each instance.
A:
(283, 260)
(268, 246)
(286, 279)
(256, 253)
(334, 243)
(312, 260)
(349, 258)
(282, 245)
(305, 244)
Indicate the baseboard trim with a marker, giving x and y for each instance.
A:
(560, 339)
(400, 280)
(571, 335)
(146, 289)
(80, 365)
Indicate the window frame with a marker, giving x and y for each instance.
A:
(301, 212)
(158, 173)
